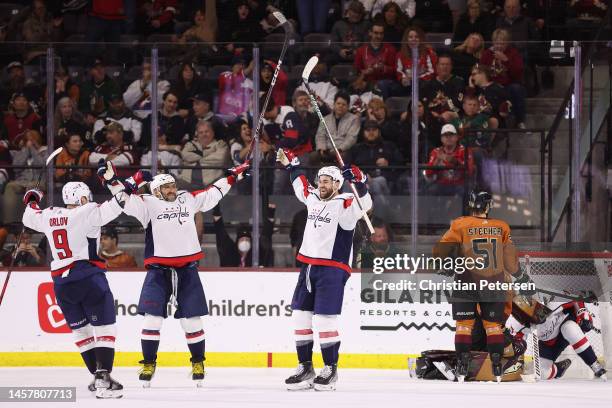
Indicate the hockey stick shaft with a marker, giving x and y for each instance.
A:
(14, 254)
(315, 106)
(286, 25)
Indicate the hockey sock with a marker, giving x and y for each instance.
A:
(105, 346)
(194, 333)
(302, 320)
(575, 336)
(463, 335)
(327, 326)
(495, 337)
(85, 341)
(149, 338)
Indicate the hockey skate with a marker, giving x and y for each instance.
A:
(496, 366)
(146, 373)
(562, 367)
(106, 387)
(302, 379)
(197, 372)
(326, 380)
(599, 371)
(463, 364)
(92, 385)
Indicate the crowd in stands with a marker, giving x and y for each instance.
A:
(103, 100)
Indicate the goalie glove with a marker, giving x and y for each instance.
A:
(353, 174)
(584, 319)
(287, 158)
(33, 195)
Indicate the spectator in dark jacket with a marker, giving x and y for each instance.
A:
(374, 155)
(492, 97)
(96, 92)
(466, 55)
(238, 253)
(17, 83)
(187, 85)
(348, 33)
(241, 30)
(202, 110)
(473, 21)
(394, 21)
(169, 122)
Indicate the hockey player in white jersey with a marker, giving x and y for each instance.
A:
(78, 274)
(172, 252)
(327, 252)
(565, 325)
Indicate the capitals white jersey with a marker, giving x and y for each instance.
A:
(548, 331)
(328, 237)
(171, 238)
(73, 233)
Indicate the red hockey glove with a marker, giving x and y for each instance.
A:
(584, 320)
(33, 195)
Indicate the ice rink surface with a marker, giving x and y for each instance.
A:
(263, 388)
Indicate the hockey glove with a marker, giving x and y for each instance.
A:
(33, 195)
(139, 179)
(239, 172)
(353, 174)
(106, 172)
(287, 158)
(584, 320)
(524, 278)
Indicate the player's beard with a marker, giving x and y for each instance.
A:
(327, 193)
(170, 197)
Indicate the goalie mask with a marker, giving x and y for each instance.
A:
(529, 311)
(73, 191)
(159, 181)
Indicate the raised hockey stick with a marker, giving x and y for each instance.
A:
(14, 254)
(288, 28)
(312, 62)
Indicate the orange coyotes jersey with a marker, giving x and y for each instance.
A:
(485, 238)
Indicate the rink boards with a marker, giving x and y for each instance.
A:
(250, 323)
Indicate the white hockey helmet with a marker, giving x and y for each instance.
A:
(330, 171)
(73, 191)
(159, 181)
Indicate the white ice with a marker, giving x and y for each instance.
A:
(263, 388)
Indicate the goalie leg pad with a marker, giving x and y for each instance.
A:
(329, 338)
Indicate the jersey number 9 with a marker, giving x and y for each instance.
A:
(60, 241)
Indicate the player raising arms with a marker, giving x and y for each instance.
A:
(326, 251)
(172, 251)
(79, 279)
(478, 236)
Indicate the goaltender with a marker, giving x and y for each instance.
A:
(478, 236)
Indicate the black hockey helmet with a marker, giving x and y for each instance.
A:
(480, 200)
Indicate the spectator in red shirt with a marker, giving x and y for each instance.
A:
(506, 65)
(279, 92)
(156, 17)
(20, 119)
(376, 60)
(105, 21)
(413, 37)
(455, 158)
